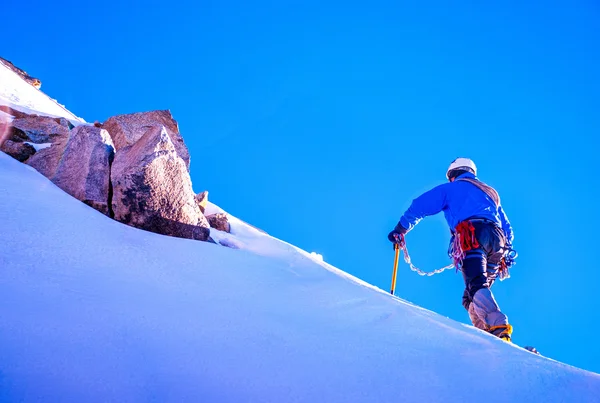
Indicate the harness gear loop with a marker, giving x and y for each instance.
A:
(466, 234)
(463, 241)
(507, 261)
(503, 272)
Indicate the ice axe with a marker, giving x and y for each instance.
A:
(397, 250)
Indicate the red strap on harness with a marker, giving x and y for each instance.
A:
(466, 234)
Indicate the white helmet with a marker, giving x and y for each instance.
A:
(462, 163)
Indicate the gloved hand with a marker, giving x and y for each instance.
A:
(397, 235)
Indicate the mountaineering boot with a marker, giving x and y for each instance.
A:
(502, 331)
(487, 309)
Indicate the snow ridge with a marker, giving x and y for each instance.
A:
(20, 95)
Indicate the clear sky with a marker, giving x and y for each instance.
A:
(320, 121)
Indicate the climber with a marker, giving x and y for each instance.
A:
(481, 237)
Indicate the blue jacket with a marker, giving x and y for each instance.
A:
(458, 200)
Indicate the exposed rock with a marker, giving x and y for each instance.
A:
(42, 129)
(8, 132)
(152, 188)
(201, 200)
(64, 122)
(219, 221)
(19, 151)
(31, 80)
(126, 130)
(84, 169)
(46, 161)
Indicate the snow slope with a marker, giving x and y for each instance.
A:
(19, 95)
(95, 311)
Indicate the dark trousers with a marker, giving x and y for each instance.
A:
(480, 266)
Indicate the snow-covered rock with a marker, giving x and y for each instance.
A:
(84, 168)
(125, 130)
(152, 188)
(219, 222)
(39, 146)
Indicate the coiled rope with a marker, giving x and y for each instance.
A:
(419, 271)
(456, 253)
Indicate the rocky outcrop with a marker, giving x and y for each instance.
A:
(46, 161)
(152, 189)
(18, 150)
(41, 129)
(31, 80)
(219, 222)
(7, 132)
(126, 130)
(132, 167)
(84, 167)
(139, 177)
(201, 200)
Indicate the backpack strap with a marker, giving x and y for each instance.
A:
(487, 189)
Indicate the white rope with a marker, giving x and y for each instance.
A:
(421, 272)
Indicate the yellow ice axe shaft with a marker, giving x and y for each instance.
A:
(397, 249)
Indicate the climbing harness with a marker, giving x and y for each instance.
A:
(463, 240)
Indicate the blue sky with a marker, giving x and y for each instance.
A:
(320, 121)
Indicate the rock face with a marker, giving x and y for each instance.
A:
(84, 167)
(152, 188)
(219, 222)
(126, 130)
(140, 176)
(46, 161)
(41, 129)
(18, 150)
